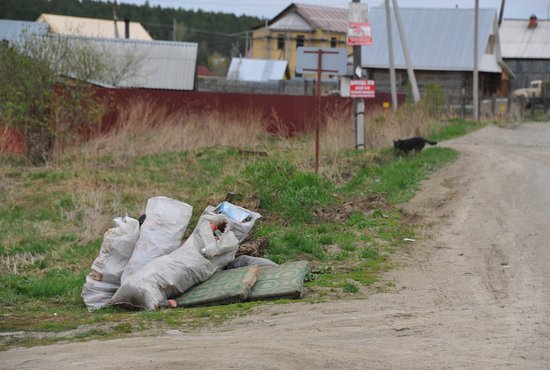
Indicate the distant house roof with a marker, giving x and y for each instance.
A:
(438, 39)
(243, 69)
(153, 64)
(307, 18)
(12, 31)
(521, 42)
(92, 27)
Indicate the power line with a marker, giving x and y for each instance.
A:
(198, 30)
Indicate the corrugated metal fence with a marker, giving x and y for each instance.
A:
(292, 114)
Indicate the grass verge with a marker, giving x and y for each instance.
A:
(343, 221)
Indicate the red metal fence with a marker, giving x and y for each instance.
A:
(289, 114)
(294, 113)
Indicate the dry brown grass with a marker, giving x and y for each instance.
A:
(146, 128)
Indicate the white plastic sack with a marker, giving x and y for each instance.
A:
(161, 232)
(168, 276)
(116, 249)
(241, 219)
(97, 294)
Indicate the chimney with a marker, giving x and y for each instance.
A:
(127, 27)
(532, 21)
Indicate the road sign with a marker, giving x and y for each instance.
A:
(359, 34)
(333, 60)
(361, 89)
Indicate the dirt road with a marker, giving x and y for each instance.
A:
(474, 291)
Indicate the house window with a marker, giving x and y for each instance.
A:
(281, 42)
(333, 42)
(299, 41)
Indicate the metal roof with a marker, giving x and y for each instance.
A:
(438, 39)
(244, 69)
(324, 17)
(305, 17)
(92, 27)
(520, 42)
(160, 64)
(291, 22)
(14, 30)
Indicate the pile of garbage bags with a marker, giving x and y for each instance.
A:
(143, 266)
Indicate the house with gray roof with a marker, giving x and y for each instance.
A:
(526, 49)
(131, 63)
(440, 43)
(12, 31)
(167, 65)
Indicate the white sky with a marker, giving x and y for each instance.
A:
(520, 9)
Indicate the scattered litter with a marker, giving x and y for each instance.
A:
(212, 246)
(224, 287)
(409, 240)
(161, 232)
(173, 332)
(144, 264)
(246, 284)
(285, 281)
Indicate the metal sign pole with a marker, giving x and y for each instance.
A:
(317, 127)
(358, 14)
(335, 63)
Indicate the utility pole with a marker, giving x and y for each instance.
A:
(390, 55)
(174, 29)
(501, 14)
(410, 71)
(358, 14)
(115, 19)
(476, 67)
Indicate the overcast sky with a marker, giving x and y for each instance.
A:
(520, 9)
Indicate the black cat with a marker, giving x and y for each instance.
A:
(415, 143)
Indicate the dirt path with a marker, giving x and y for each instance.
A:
(474, 291)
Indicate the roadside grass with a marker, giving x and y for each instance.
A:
(344, 221)
(453, 128)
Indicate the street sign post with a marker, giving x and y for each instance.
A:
(320, 60)
(359, 34)
(361, 89)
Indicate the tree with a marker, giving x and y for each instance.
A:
(45, 93)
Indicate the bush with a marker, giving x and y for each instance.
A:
(39, 99)
(434, 100)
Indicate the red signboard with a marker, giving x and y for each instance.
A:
(361, 88)
(359, 34)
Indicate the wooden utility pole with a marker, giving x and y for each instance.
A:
(501, 13)
(115, 19)
(393, 87)
(410, 71)
(174, 29)
(476, 67)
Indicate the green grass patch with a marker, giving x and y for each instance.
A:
(287, 192)
(350, 287)
(453, 128)
(400, 178)
(346, 229)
